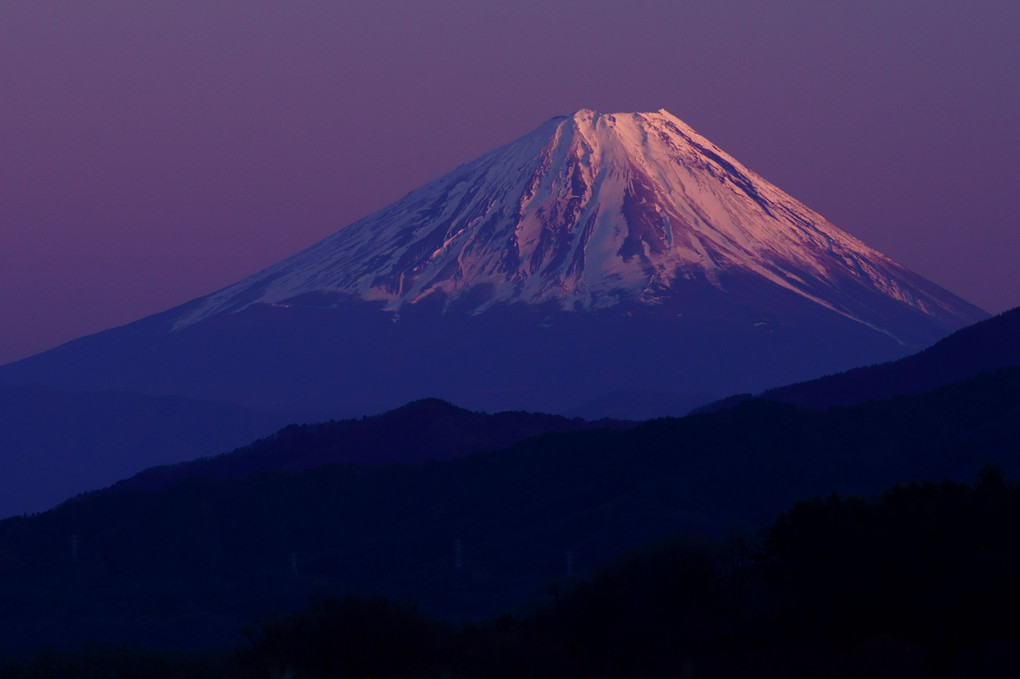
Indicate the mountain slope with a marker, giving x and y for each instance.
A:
(597, 254)
(986, 346)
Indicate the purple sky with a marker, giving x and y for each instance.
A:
(151, 153)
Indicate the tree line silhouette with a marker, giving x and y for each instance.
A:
(184, 568)
(917, 581)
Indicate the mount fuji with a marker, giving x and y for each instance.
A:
(598, 254)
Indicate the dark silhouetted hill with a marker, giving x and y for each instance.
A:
(215, 552)
(917, 581)
(430, 429)
(988, 345)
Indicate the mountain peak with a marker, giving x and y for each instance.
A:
(598, 254)
(637, 125)
(586, 212)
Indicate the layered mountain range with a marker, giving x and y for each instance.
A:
(219, 541)
(598, 254)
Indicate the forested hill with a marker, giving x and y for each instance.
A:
(218, 551)
(429, 429)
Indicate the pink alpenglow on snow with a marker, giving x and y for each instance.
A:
(585, 212)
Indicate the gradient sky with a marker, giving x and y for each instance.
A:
(151, 153)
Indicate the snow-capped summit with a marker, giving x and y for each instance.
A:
(588, 211)
(600, 259)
